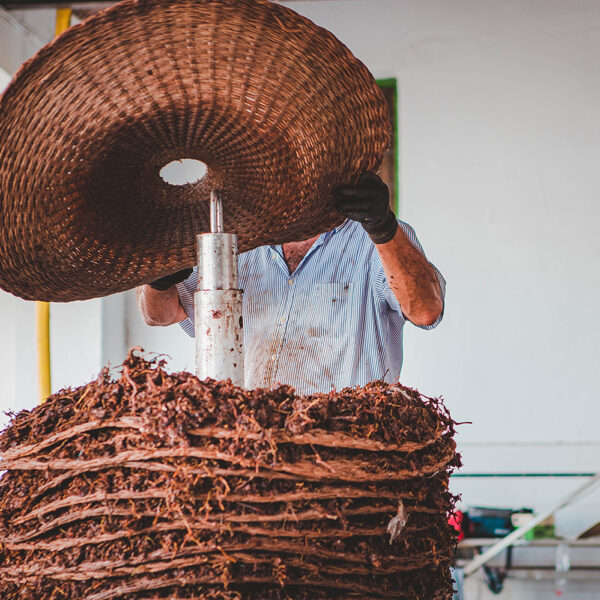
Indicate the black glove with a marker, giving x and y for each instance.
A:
(164, 283)
(369, 204)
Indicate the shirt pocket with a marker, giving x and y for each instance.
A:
(329, 310)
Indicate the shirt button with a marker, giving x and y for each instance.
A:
(282, 320)
(291, 281)
(273, 356)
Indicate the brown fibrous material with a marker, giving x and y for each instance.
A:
(155, 485)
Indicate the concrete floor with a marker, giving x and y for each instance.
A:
(476, 589)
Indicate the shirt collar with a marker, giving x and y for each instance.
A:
(340, 227)
(328, 234)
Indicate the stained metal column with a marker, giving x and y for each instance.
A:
(218, 303)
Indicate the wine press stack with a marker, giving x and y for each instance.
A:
(158, 485)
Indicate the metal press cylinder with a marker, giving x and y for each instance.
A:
(219, 335)
(217, 261)
(218, 310)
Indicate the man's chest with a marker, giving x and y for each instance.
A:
(278, 271)
(305, 327)
(318, 297)
(294, 253)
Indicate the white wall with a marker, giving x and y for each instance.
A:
(499, 143)
(18, 38)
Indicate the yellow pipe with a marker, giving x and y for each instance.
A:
(63, 20)
(42, 313)
(42, 309)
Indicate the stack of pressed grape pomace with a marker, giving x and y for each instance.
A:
(158, 485)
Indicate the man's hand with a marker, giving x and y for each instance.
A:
(410, 277)
(164, 283)
(369, 204)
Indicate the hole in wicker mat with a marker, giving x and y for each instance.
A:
(183, 171)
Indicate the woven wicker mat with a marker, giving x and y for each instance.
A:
(279, 110)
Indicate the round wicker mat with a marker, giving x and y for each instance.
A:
(278, 109)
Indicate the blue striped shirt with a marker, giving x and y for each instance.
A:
(332, 323)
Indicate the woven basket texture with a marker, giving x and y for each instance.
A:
(279, 110)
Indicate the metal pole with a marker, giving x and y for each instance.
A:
(218, 303)
(483, 558)
(216, 213)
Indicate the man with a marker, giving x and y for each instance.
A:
(327, 312)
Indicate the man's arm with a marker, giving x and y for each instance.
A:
(411, 279)
(410, 276)
(159, 307)
(159, 302)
